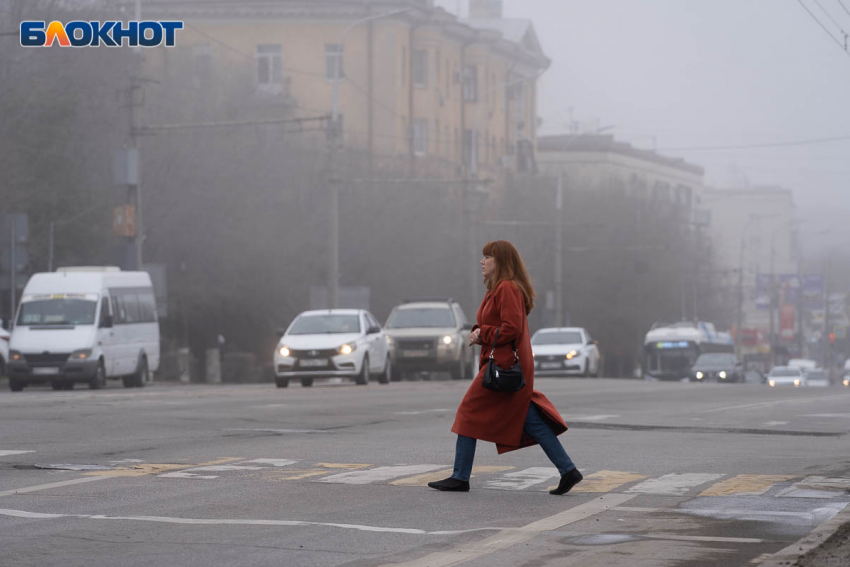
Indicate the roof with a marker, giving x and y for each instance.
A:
(605, 143)
(331, 312)
(518, 31)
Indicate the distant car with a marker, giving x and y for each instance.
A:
(342, 343)
(560, 351)
(803, 364)
(817, 378)
(431, 335)
(786, 376)
(846, 380)
(717, 367)
(4, 350)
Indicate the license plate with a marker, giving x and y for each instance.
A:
(314, 363)
(46, 371)
(414, 353)
(550, 365)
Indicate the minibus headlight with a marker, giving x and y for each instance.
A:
(83, 354)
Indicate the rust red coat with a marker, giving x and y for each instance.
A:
(499, 417)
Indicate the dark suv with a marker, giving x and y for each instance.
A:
(427, 335)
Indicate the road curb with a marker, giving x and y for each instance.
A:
(791, 555)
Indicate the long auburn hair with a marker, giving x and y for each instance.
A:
(509, 266)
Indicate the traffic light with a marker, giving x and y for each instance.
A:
(832, 338)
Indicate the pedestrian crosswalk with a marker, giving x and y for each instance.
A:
(489, 477)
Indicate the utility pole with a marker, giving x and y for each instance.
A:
(13, 268)
(559, 269)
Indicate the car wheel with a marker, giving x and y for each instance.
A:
(397, 376)
(99, 380)
(586, 371)
(387, 374)
(363, 378)
(140, 378)
(16, 385)
(281, 382)
(69, 385)
(128, 381)
(306, 382)
(57, 385)
(459, 371)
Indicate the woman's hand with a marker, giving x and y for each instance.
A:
(475, 337)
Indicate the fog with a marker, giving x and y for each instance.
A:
(722, 73)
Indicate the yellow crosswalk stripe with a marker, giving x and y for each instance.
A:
(324, 468)
(604, 481)
(751, 484)
(144, 469)
(424, 479)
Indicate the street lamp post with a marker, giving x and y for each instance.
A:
(334, 180)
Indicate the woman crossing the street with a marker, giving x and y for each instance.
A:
(510, 419)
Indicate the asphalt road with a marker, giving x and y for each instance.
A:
(675, 474)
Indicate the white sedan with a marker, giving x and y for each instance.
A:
(564, 350)
(786, 376)
(341, 343)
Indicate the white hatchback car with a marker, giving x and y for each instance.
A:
(786, 376)
(341, 343)
(564, 350)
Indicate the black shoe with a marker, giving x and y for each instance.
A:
(450, 485)
(568, 480)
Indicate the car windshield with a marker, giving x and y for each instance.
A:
(59, 311)
(325, 324)
(557, 338)
(816, 375)
(785, 372)
(421, 317)
(715, 358)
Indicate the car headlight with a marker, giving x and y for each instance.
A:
(347, 349)
(572, 354)
(283, 351)
(772, 383)
(847, 381)
(796, 381)
(447, 340)
(81, 354)
(389, 340)
(699, 375)
(15, 355)
(722, 375)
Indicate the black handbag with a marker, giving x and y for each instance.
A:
(501, 379)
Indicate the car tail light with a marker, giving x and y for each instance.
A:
(5, 338)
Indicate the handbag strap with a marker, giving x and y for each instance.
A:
(493, 350)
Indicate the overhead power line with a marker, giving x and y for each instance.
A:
(829, 33)
(845, 7)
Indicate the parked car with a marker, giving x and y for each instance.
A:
(817, 378)
(717, 367)
(83, 325)
(431, 335)
(343, 343)
(786, 376)
(560, 351)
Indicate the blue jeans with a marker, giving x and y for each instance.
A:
(535, 427)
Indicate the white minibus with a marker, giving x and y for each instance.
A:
(84, 325)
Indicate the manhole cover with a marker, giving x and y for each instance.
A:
(75, 467)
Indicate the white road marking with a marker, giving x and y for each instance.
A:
(222, 468)
(421, 411)
(704, 538)
(273, 462)
(181, 474)
(280, 430)
(589, 417)
(5, 453)
(771, 403)
(52, 485)
(510, 537)
(841, 415)
(673, 484)
(520, 480)
(379, 474)
(238, 522)
(774, 423)
(127, 461)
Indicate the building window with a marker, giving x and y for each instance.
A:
(661, 192)
(470, 83)
(420, 136)
(269, 59)
(470, 150)
(333, 61)
(419, 68)
(403, 66)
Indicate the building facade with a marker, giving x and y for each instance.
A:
(415, 81)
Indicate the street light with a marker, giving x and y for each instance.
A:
(334, 180)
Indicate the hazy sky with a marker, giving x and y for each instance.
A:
(695, 73)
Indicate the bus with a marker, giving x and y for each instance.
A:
(670, 349)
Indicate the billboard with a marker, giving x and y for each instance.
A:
(790, 289)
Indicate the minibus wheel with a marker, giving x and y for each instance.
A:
(98, 381)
